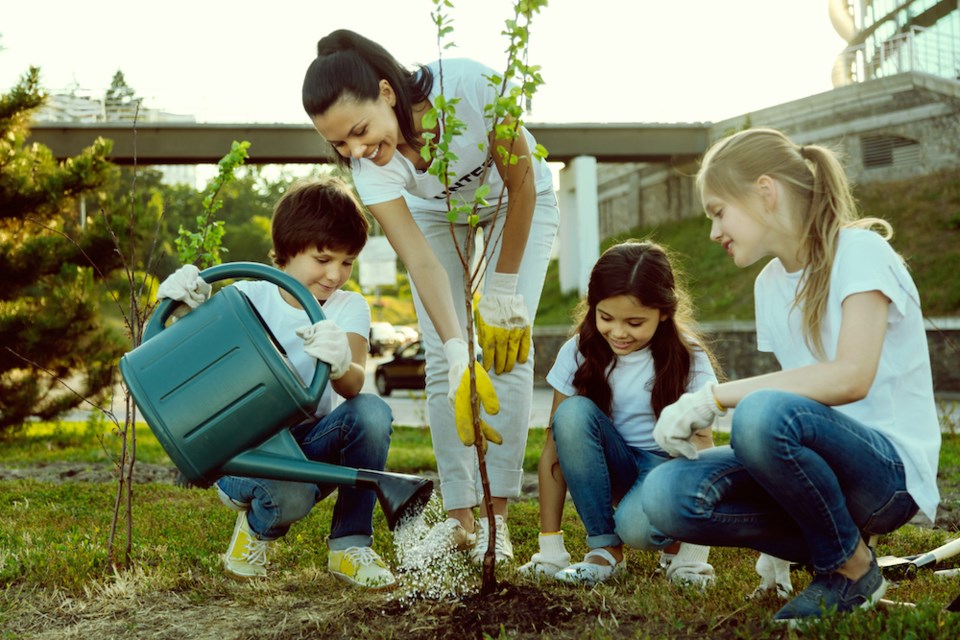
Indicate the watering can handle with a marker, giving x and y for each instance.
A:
(257, 271)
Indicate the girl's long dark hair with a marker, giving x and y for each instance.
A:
(642, 270)
(347, 64)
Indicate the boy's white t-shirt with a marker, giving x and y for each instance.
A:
(631, 381)
(465, 79)
(900, 403)
(347, 309)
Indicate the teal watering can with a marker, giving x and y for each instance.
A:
(216, 389)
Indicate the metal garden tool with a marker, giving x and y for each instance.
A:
(217, 391)
(906, 567)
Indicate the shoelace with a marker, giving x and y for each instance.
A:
(361, 556)
(483, 533)
(255, 551)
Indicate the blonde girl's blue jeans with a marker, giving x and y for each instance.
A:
(800, 481)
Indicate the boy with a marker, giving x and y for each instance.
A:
(318, 230)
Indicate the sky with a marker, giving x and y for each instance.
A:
(602, 60)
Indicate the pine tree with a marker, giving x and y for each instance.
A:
(52, 263)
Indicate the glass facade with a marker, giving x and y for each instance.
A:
(887, 37)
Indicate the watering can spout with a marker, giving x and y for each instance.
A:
(401, 496)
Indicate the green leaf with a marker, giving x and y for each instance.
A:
(430, 119)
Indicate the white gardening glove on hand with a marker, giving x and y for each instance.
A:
(503, 326)
(774, 573)
(678, 421)
(455, 351)
(185, 285)
(328, 342)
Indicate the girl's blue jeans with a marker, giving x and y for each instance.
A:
(355, 434)
(600, 468)
(800, 481)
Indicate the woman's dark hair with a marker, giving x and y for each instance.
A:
(641, 270)
(347, 64)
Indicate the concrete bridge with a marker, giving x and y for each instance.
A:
(579, 146)
(192, 143)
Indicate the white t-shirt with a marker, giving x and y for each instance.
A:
(900, 403)
(464, 79)
(631, 381)
(348, 309)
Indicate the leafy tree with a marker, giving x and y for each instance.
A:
(120, 99)
(51, 260)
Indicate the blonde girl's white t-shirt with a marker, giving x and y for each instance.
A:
(900, 403)
(465, 79)
(631, 381)
(347, 309)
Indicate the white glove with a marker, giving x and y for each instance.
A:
(774, 573)
(678, 421)
(328, 342)
(503, 324)
(185, 285)
(457, 355)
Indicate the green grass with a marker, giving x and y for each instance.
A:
(54, 574)
(924, 212)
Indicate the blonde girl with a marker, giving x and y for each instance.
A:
(841, 443)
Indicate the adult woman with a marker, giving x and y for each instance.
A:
(371, 110)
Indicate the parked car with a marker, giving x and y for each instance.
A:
(383, 338)
(404, 371)
(406, 334)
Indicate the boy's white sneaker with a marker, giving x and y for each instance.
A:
(361, 567)
(246, 557)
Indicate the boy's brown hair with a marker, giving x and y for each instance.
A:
(321, 213)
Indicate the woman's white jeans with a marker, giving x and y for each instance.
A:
(457, 465)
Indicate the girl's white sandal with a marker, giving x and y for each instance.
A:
(588, 573)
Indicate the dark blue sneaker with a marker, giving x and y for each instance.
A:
(835, 593)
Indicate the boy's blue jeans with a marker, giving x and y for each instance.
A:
(800, 481)
(355, 434)
(600, 467)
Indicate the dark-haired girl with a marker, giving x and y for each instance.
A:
(634, 352)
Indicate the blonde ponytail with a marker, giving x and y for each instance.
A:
(816, 182)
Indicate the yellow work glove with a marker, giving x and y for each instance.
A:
(458, 361)
(463, 413)
(503, 327)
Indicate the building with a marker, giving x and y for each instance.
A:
(887, 37)
(83, 106)
(894, 112)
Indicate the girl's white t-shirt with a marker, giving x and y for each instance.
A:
(631, 381)
(467, 80)
(348, 309)
(900, 404)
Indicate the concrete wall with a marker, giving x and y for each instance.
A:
(735, 344)
(885, 129)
